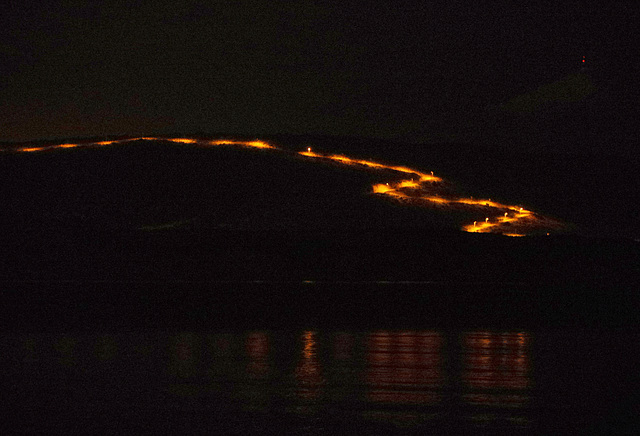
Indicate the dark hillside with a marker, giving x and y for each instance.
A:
(162, 211)
(154, 234)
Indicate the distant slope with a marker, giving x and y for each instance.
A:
(161, 211)
(582, 113)
(157, 185)
(573, 88)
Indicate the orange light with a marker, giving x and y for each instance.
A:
(425, 191)
(31, 149)
(254, 144)
(183, 140)
(421, 193)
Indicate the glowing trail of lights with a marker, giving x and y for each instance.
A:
(511, 220)
(200, 142)
(348, 161)
(421, 189)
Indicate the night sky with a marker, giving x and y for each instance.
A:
(411, 71)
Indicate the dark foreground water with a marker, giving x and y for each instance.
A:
(326, 375)
(316, 381)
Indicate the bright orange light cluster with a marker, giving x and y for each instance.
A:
(423, 190)
(32, 149)
(254, 144)
(181, 140)
(518, 215)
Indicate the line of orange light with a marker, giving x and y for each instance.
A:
(396, 190)
(391, 189)
(367, 163)
(182, 140)
(255, 144)
(32, 149)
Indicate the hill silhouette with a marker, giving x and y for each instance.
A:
(583, 113)
(154, 210)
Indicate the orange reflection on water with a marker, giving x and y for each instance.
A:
(404, 367)
(308, 372)
(496, 367)
(257, 348)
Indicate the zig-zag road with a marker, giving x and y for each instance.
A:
(421, 189)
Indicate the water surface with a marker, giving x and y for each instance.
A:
(302, 380)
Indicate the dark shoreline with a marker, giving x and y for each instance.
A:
(91, 306)
(376, 254)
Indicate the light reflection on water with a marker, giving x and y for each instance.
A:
(308, 372)
(496, 368)
(400, 378)
(404, 367)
